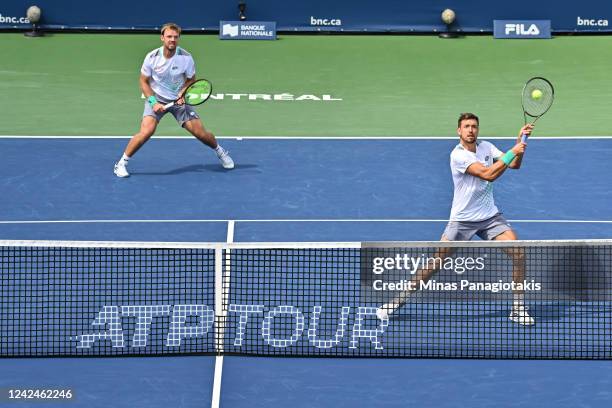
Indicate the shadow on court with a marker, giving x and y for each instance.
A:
(196, 168)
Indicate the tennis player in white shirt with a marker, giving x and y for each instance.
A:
(165, 74)
(475, 165)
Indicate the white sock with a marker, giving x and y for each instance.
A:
(519, 299)
(124, 159)
(219, 150)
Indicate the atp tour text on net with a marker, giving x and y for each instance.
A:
(410, 265)
(366, 327)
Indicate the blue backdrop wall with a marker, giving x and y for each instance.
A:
(310, 15)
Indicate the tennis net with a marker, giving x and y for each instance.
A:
(388, 299)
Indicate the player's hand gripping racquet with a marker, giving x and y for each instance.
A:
(196, 94)
(538, 96)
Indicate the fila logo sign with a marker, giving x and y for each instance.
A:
(522, 29)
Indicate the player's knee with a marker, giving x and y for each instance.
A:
(148, 126)
(147, 131)
(512, 234)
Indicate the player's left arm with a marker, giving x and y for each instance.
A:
(518, 160)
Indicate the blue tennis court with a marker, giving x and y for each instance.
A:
(291, 190)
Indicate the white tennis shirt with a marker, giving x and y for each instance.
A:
(168, 75)
(473, 197)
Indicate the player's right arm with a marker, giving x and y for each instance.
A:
(148, 92)
(493, 172)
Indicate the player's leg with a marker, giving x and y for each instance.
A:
(423, 274)
(434, 264)
(196, 128)
(498, 228)
(516, 254)
(189, 119)
(147, 128)
(519, 313)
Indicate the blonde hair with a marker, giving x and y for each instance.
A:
(171, 26)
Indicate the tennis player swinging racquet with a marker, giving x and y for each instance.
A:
(538, 96)
(195, 94)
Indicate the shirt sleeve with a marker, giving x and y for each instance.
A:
(146, 69)
(461, 160)
(190, 69)
(495, 152)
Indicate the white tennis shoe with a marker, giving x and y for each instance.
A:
(386, 310)
(121, 169)
(519, 315)
(225, 159)
(382, 313)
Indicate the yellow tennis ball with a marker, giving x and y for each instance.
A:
(536, 94)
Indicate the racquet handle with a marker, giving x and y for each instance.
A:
(524, 138)
(168, 105)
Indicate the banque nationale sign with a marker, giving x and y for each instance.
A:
(251, 30)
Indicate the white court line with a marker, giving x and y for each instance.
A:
(102, 221)
(230, 231)
(538, 138)
(221, 299)
(322, 220)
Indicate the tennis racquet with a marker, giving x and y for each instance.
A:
(196, 94)
(538, 96)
